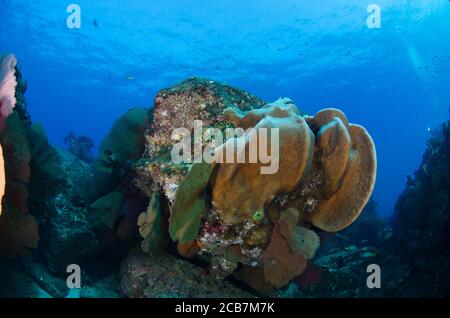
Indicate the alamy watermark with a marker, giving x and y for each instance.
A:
(73, 21)
(374, 19)
(374, 279)
(74, 279)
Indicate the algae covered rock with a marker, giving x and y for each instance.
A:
(61, 186)
(195, 99)
(164, 275)
(68, 227)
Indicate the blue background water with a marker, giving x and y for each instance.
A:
(394, 80)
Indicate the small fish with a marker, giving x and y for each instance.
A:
(130, 78)
(95, 23)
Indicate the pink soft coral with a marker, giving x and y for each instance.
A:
(8, 85)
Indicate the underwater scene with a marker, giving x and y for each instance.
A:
(225, 149)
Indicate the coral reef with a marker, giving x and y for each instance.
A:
(422, 219)
(307, 230)
(233, 214)
(421, 222)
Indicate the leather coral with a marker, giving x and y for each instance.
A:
(241, 189)
(345, 159)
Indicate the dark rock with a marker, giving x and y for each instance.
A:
(342, 273)
(422, 215)
(25, 277)
(108, 287)
(68, 228)
(421, 221)
(146, 275)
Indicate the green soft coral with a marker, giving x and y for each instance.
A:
(190, 203)
(124, 143)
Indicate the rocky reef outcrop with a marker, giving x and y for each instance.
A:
(259, 226)
(141, 224)
(421, 222)
(422, 218)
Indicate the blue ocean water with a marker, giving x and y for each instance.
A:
(394, 80)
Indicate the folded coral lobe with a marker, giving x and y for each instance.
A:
(347, 160)
(241, 189)
(8, 85)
